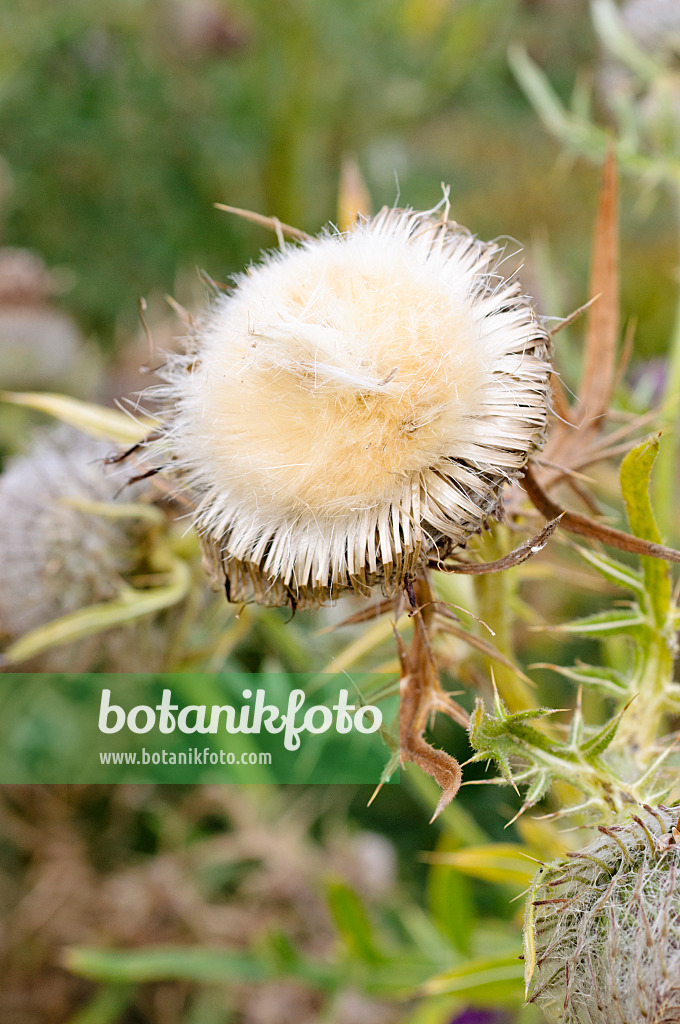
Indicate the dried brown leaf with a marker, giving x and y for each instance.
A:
(516, 557)
(602, 325)
(574, 522)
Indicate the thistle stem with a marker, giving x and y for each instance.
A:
(641, 728)
(667, 467)
(495, 596)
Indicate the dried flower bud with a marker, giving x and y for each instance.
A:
(357, 402)
(604, 927)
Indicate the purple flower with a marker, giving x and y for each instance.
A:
(479, 1016)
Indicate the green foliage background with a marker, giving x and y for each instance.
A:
(121, 123)
(120, 126)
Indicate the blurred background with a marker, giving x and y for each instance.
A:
(121, 124)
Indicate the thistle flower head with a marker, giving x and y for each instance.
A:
(356, 402)
(603, 927)
(57, 556)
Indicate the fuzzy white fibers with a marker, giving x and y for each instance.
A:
(354, 401)
(56, 558)
(605, 927)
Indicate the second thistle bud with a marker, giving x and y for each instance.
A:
(602, 929)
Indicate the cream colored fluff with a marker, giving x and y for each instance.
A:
(355, 400)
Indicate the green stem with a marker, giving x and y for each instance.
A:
(667, 466)
(495, 596)
(640, 729)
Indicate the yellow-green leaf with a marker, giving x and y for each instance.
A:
(491, 979)
(449, 897)
(636, 470)
(495, 862)
(95, 420)
(131, 604)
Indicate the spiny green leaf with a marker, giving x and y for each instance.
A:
(529, 737)
(477, 719)
(500, 757)
(607, 679)
(613, 570)
(529, 714)
(635, 472)
(610, 623)
(536, 791)
(488, 731)
(636, 469)
(503, 738)
(598, 743)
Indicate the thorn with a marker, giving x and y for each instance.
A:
(273, 223)
(375, 793)
(573, 316)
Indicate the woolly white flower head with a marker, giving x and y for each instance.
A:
(604, 927)
(55, 557)
(356, 402)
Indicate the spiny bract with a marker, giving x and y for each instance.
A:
(355, 403)
(602, 939)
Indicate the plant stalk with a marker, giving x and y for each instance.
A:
(665, 491)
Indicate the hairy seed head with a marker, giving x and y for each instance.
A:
(57, 557)
(356, 402)
(604, 927)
